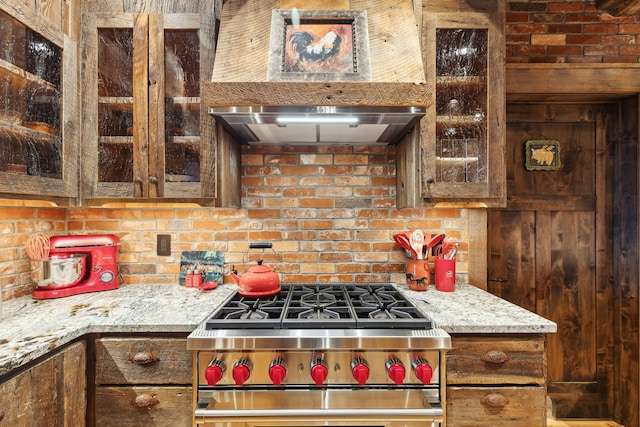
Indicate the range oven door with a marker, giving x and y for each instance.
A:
(327, 407)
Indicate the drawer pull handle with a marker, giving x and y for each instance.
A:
(494, 400)
(1, 415)
(495, 356)
(143, 358)
(145, 400)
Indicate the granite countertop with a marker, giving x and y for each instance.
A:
(31, 328)
(471, 310)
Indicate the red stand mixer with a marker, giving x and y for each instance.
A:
(80, 264)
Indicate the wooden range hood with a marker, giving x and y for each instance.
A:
(388, 93)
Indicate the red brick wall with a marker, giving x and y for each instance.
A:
(17, 224)
(555, 31)
(330, 213)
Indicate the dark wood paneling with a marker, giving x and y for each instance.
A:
(550, 248)
(625, 278)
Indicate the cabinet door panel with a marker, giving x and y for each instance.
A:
(34, 157)
(53, 393)
(496, 407)
(143, 361)
(143, 406)
(482, 360)
(463, 140)
(149, 144)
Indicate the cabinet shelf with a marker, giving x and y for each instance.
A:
(461, 120)
(20, 76)
(184, 100)
(116, 100)
(455, 161)
(23, 132)
(116, 139)
(461, 80)
(187, 140)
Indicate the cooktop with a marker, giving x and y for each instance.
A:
(321, 306)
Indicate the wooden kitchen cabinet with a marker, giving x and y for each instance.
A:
(496, 381)
(52, 393)
(143, 381)
(38, 138)
(145, 134)
(462, 134)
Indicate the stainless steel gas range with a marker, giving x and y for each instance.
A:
(319, 355)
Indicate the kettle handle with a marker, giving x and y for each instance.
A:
(260, 245)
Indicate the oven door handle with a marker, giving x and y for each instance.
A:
(430, 408)
(431, 413)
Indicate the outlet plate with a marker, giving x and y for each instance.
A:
(164, 245)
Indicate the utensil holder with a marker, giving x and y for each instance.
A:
(445, 272)
(418, 275)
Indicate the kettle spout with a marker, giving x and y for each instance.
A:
(234, 275)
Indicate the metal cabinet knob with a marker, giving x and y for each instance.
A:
(495, 356)
(494, 400)
(145, 400)
(143, 358)
(430, 180)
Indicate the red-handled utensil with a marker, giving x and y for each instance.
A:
(434, 242)
(402, 240)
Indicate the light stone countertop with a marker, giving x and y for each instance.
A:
(471, 310)
(31, 328)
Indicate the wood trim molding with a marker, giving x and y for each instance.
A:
(606, 80)
(619, 7)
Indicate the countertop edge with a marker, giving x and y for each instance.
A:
(33, 328)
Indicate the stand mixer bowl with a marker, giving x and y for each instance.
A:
(63, 272)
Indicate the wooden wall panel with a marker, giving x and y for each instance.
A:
(625, 278)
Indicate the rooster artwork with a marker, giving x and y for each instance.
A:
(319, 48)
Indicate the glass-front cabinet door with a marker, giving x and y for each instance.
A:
(33, 158)
(463, 143)
(147, 115)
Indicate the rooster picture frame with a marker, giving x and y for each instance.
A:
(319, 45)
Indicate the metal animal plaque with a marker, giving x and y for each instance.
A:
(542, 154)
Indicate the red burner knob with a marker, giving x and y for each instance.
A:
(360, 370)
(396, 370)
(277, 371)
(423, 370)
(319, 371)
(214, 371)
(241, 371)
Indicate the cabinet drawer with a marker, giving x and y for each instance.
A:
(486, 361)
(496, 407)
(143, 406)
(143, 361)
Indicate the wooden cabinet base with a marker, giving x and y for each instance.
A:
(52, 393)
(143, 406)
(496, 406)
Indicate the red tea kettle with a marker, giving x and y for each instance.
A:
(260, 280)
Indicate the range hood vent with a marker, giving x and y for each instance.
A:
(377, 101)
(314, 125)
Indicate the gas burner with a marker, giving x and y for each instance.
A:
(389, 313)
(318, 313)
(245, 312)
(318, 300)
(248, 311)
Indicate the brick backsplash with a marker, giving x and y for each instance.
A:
(554, 31)
(17, 224)
(329, 211)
